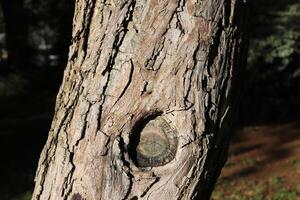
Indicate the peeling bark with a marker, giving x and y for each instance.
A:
(132, 62)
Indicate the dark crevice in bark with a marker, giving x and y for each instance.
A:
(68, 185)
(127, 168)
(181, 6)
(150, 62)
(187, 103)
(121, 33)
(192, 72)
(88, 16)
(128, 82)
(74, 55)
(83, 130)
(214, 48)
(98, 54)
(99, 117)
(77, 197)
(150, 186)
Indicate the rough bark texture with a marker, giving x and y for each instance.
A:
(138, 62)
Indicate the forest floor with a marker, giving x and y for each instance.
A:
(263, 164)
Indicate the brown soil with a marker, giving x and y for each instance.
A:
(259, 153)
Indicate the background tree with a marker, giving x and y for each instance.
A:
(51, 22)
(146, 100)
(16, 28)
(36, 30)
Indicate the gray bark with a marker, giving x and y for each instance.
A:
(147, 96)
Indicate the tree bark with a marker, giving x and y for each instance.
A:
(146, 100)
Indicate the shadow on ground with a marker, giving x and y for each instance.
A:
(264, 151)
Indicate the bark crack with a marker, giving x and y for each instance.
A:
(150, 186)
(126, 167)
(128, 82)
(121, 33)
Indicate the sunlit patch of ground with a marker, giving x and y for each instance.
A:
(264, 163)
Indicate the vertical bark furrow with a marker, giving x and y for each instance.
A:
(120, 35)
(87, 17)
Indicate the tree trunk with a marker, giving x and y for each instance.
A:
(147, 96)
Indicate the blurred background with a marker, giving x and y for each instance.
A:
(264, 157)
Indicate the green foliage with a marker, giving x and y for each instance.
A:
(273, 70)
(248, 161)
(296, 164)
(279, 42)
(276, 182)
(284, 194)
(298, 188)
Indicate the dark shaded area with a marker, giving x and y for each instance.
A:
(33, 54)
(16, 27)
(34, 39)
(272, 78)
(25, 120)
(77, 197)
(36, 33)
